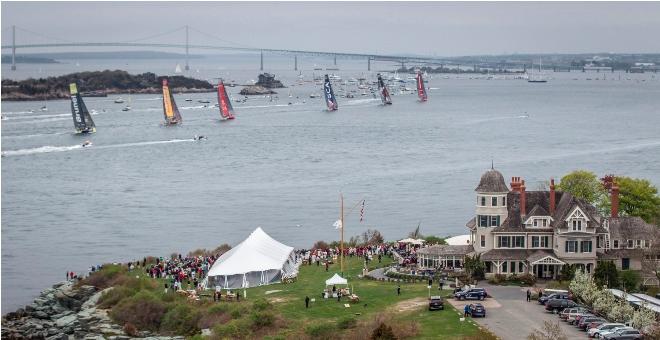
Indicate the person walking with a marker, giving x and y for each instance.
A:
(466, 311)
(326, 266)
(306, 301)
(441, 284)
(529, 295)
(398, 290)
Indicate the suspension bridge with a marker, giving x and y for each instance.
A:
(62, 44)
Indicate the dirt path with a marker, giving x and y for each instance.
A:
(409, 305)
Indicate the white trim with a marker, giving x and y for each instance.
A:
(548, 260)
(572, 214)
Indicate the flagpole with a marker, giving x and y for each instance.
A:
(341, 259)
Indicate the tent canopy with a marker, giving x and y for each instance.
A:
(412, 241)
(259, 252)
(336, 280)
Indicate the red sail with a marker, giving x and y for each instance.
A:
(421, 90)
(226, 110)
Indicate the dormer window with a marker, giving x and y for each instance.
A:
(577, 225)
(536, 222)
(545, 222)
(494, 201)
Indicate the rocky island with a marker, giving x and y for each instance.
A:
(266, 82)
(98, 83)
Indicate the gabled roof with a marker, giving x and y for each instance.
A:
(537, 211)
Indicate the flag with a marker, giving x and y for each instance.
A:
(338, 224)
(362, 212)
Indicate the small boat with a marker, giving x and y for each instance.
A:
(313, 95)
(384, 93)
(330, 99)
(119, 101)
(200, 137)
(421, 88)
(204, 101)
(127, 107)
(86, 144)
(188, 99)
(226, 109)
(177, 69)
(44, 108)
(82, 120)
(539, 77)
(170, 110)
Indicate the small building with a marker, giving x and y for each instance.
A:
(443, 256)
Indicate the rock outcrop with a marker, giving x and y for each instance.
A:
(253, 90)
(65, 312)
(268, 81)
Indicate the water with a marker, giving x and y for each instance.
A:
(145, 189)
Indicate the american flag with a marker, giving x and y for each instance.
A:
(362, 211)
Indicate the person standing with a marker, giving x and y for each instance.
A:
(466, 310)
(306, 301)
(398, 290)
(529, 295)
(441, 284)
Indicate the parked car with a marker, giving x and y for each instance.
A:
(477, 309)
(595, 332)
(594, 324)
(567, 312)
(543, 299)
(580, 316)
(624, 334)
(613, 330)
(435, 303)
(584, 322)
(471, 294)
(556, 305)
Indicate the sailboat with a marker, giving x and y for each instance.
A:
(82, 120)
(170, 110)
(226, 110)
(384, 94)
(421, 89)
(330, 99)
(539, 77)
(177, 69)
(128, 107)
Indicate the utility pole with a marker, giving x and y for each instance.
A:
(187, 66)
(13, 47)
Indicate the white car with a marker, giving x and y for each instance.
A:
(610, 331)
(595, 332)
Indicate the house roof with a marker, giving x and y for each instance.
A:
(538, 211)
(446, 249)
(631, 228)
(505, 254)
(492, 181)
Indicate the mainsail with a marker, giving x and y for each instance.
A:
(421, 88)
(384, 94)
(82, 120)
(172, 115)
(226, 110)
(330, 99)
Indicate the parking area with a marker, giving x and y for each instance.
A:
(510, 316)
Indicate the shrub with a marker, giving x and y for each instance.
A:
(105, 277)
(497, 278)
(527, 279)
(130, 329)
(114, 296)
(320, 330)
(629, 280)
(383, 332)
(320, 245)
(346, 322)
(181, 320)
(236, 311)
(234, 329)
(144, 310)
(262, 319)
(261, 304)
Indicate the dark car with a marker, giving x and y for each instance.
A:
(435, 303)
(556, 305)
(624, 334)
(471, 294)
(477, 309)
(543, 299)
(584, 322)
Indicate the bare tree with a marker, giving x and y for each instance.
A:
(550, 331)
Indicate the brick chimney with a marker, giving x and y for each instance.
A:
(523, 208)
(552, 196)
(515, 184)
(615, 200)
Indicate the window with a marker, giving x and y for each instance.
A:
(488, 267)
(513, 267)
(494, 221)
(630, 243)
(488, 221)
(599, 242)
(503, 242)
(540, 241)
(585, 246)
(647, 244)
(544, 241)
(577, 225)
(511, 242)
(536, 222)
(616, 244)
(494, 201)
(571, 246)
(545, 222)
(519, 241)
(483, 201)
(504, 200)
(535, 242)
(520, 267)
(483, 220)
(625, 263)
(504, 266)
(483, 241)
(639, 244)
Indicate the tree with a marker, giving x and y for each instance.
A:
(434, 240)
(629, 280)
(621, 311)
(474, 267)
(585, 185)
(604, 301)
(567, 272)
(638, 197)
(606, 274)
(550, 331)
(372, 236)
(643, 317)
(415, 233)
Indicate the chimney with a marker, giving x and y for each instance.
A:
(514, 213)
(523, 209)
(615, 200)
(552, 196)
(515, 184)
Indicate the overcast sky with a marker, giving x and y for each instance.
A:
(430, 28)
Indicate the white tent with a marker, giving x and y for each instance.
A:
(336, 280)
(412, 241)
(258, 260)
(459, 240)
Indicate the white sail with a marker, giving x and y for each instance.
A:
(177, 69)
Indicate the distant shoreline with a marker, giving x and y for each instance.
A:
(17, 97)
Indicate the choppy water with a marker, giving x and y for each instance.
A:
(148, 189)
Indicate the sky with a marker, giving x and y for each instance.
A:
(425, 28)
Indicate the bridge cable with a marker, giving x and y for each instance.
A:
(42, 35)
(220, 39)
(153, 36)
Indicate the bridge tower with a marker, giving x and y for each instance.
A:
(403, 64)
(295, 62)
(335, 60)
(187, 65)
(13, 47)
(368, 63)
(261, 67)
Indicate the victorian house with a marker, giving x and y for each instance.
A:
(518, 231)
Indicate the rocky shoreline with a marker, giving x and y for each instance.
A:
(67, 312)
(17, 96)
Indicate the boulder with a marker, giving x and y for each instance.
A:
(65, 321)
